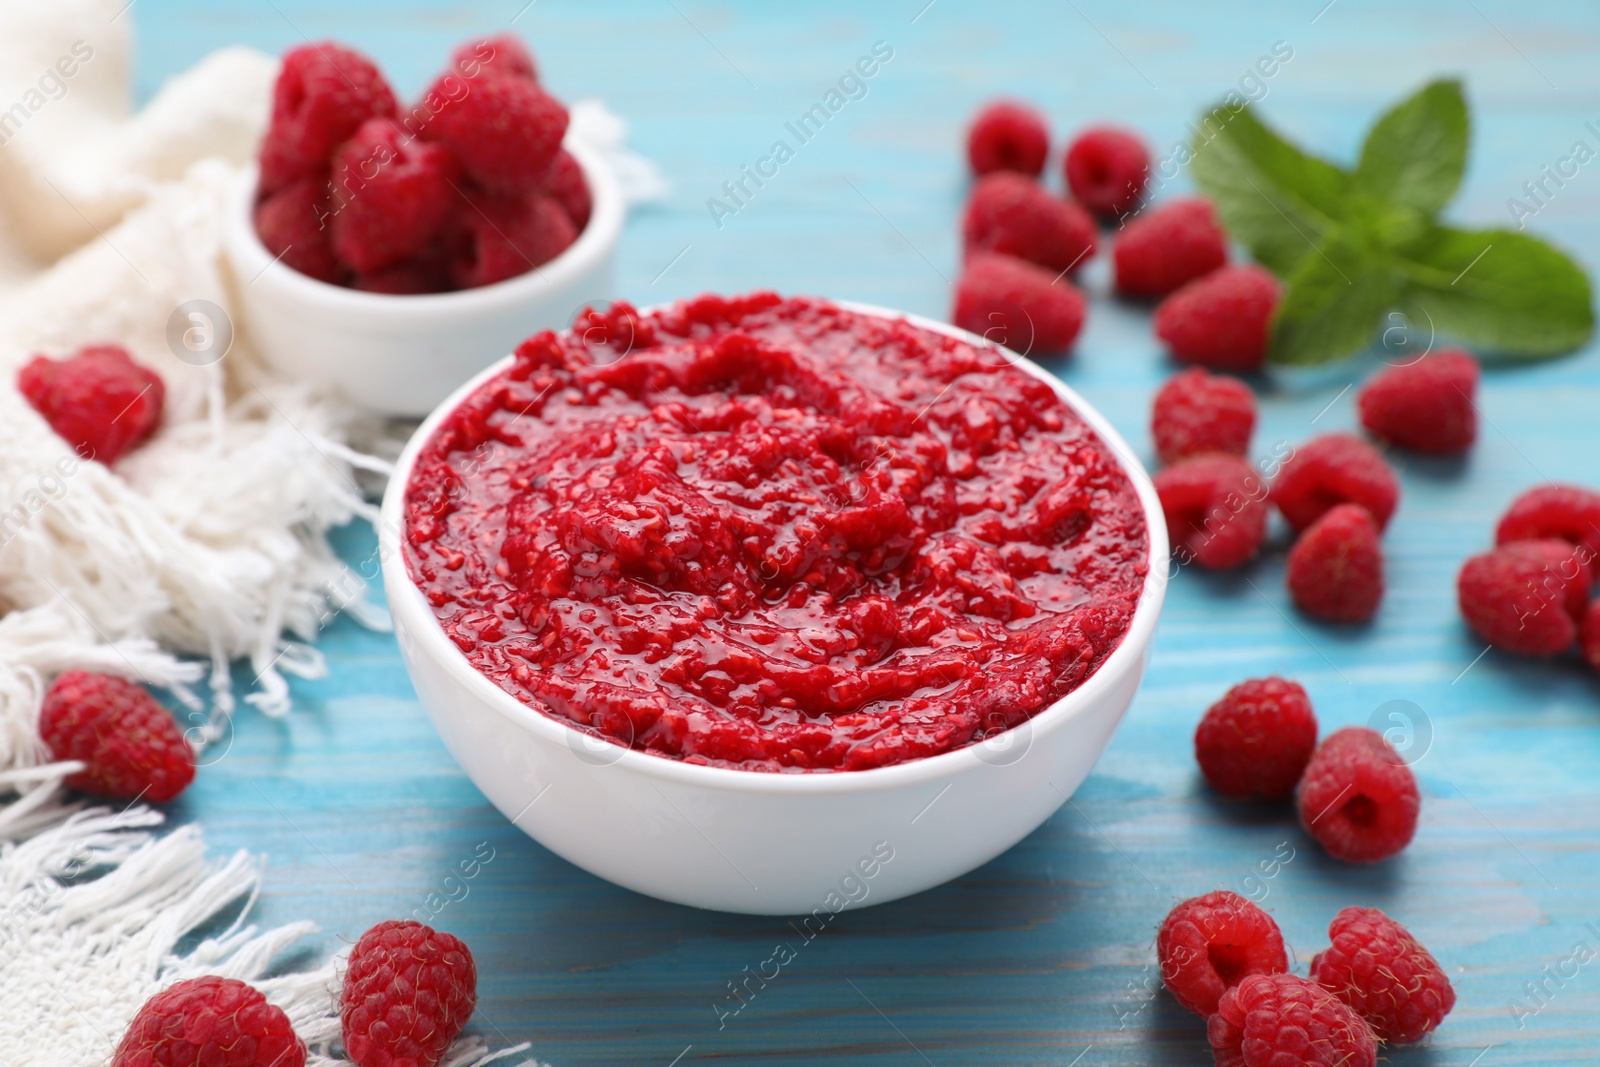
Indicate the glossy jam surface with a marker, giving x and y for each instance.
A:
(775, 535)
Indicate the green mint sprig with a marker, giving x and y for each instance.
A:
(1356, 244)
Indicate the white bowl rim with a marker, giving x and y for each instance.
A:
(413, 613)
(598, 236)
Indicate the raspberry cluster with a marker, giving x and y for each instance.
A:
(1530, 594)
(408, 992)
(1021, 241)
(1356, 796)
(467, 187)
(1224, 959)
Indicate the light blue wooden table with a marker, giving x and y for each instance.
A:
(1044, 956)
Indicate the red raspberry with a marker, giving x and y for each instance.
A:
(1282, 1020)
(1335, 569)
(1016, 216)
(1166, 246)
(1197, 412)
(292, 224)
(505, 132)
(1106, 169)
(1007, 135)
(503, 55)
(1257, 739)
(392, 195)
(1569, 512)
(323, 93)
(1209, 944)
(1222, 320)
(131, 744)
(507, 236)
(1425, 406)
(1526, 597)
(566, 183)
(98, 399)
(408, 991)
(1358, 798)
(209, 1022)
(1011, 302)
(1380, 970)
(1216, 508)
(1589, 635)
(1335, 468)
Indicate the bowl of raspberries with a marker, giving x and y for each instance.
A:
(392, 250)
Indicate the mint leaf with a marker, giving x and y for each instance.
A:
(1415, 155)
(1334, 301)
(1500, 289)
(1276, 200)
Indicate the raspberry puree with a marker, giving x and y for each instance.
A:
(774, 535)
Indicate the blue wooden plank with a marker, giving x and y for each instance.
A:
(1045, 954)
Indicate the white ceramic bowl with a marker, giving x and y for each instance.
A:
(769, 844)
(402, 355)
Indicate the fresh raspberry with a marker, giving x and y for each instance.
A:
(1014, 303)
(1358, 798)
(503, 54)
(1335, 468)
(1425, 406)
(1257, 739)
(130, 743)
(391, 196)
(566, 183)
(1106, 169)
(1569, 512)
(98, 399)
(508, 235)
(1283, 1020)
(323, 93)
(1197, 412)
(1007, 135)
(1209, 944)
(209, 1022)
(1335, 569)
(1216, 509)
(1526, 597)
(505, 132)
(1377, 967)
(1016, 216)
(408, 991)
(1589, 635)
(292, 225)
(1221, 320)
(1166, 246)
